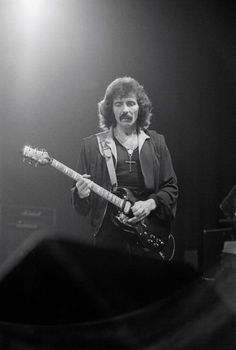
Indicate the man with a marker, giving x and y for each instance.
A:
(141, 161)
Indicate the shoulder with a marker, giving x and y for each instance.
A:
(102, 135)
(92, 142)
(91, 139)
(157, 138)
(89, 143)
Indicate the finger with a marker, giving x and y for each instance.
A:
(131, 221)
(139, 212)
(84, 193)
(136, 205)
(84, 181)
(135, 219)
(83, 189)
(81, 185)
(135, 208)
(86, 176)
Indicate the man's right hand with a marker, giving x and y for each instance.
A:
(83, 186)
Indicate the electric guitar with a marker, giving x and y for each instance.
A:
(152, 234)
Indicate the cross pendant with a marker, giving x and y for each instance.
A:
(130, 162)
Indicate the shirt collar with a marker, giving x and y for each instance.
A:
(109, 141)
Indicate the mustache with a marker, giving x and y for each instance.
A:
(125, 115)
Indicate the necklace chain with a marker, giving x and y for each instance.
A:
(130, 152)
(130, 142)
(130, 161)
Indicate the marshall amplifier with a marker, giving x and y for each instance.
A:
(19, 222)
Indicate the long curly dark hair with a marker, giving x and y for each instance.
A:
(122, 87)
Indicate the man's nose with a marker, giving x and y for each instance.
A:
(125, 107)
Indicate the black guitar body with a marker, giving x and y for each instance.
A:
(151, 233)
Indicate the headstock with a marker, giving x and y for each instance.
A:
(35, 156)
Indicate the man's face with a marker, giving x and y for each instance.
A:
(126, 110)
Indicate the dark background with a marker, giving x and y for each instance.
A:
(56, 62)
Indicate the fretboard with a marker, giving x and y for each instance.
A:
(102, 192)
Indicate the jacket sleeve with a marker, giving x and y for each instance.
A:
(167, 194)
(82, 206)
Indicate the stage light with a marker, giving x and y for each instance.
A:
(31, 8)
(30, 13)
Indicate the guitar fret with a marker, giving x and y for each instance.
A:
(109, 196)
(64, 169)
(118, 202)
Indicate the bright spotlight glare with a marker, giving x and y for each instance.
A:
(30, 14)
(31, 8)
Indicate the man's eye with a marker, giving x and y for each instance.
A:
(117, 104)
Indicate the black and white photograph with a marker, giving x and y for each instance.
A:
(118, 174)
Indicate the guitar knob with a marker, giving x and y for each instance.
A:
(150, 241)
(156, 245)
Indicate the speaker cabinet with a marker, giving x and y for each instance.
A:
(20, 222)
(210, 253)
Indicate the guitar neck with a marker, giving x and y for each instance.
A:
(102, 192)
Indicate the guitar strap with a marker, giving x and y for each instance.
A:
(107, 154)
